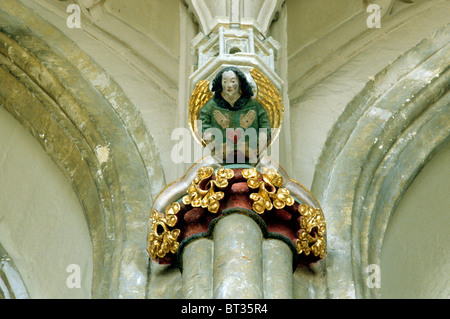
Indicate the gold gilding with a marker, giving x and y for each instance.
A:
(270, 193)
(162, 240)
(198, 99)
(313, 229)
(203, 193)
(206, 196)
(269, 97)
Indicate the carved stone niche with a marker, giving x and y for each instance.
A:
(234, 47)
(237, 46)
(234, 33)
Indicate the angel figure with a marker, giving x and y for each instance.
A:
(229, 120)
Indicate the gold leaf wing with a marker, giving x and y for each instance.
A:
(198, 99)
(269, 97)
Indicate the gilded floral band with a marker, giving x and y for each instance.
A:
(266, 196)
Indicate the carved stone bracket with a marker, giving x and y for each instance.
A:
(213, 191)
(234, 33)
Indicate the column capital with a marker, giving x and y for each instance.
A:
(191, 205)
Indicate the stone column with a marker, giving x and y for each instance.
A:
(238, 258)
(235, 260)
(197, 272)
(277, 270)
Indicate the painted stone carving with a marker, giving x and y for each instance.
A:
(236, 123)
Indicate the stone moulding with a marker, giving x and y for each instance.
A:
(375, 150)
(11, 283)
(93, 133)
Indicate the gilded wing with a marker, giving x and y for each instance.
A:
(269, 97)
(199, 97)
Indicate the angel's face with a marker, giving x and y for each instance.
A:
(230, 84)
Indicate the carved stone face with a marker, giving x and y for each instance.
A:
(230, 86)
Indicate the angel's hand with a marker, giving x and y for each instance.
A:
(223, 120)
(246, 120)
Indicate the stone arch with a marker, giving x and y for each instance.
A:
(379, 144)
(11, 283)
(95, 136)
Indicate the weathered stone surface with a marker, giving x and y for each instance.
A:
(366, 165)
(238, 258)
(198, 269)
(277, 270)
(53, 88)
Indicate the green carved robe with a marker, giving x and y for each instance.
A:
(237, 125)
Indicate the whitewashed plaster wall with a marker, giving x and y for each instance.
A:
(328, 68)
(415, 260)
(42, 225)
(333, 59)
